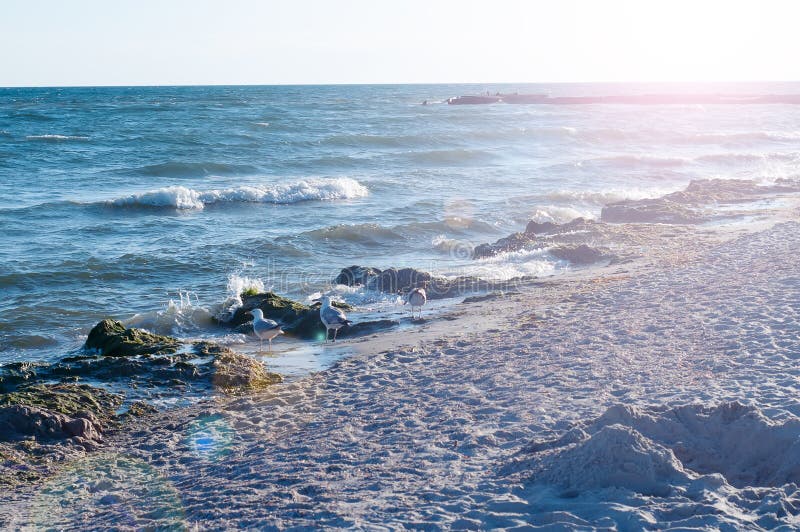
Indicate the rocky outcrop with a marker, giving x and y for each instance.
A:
(687, 206)
(56, 421)
(402, 280)
(513, 242)
(658, 210)
(299, 320)
(111, 338)
(532, 236)
(158, 361)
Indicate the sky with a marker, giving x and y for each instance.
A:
(203, 42)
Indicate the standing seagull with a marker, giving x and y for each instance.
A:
(332, 318)
(264, 329)
(416, 298)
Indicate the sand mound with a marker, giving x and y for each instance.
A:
(648, 450)
(614, 456)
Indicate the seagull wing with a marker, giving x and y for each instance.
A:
(333, 315)
(265, 325)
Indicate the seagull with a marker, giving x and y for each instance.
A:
(264, 329)
(332, 318)
(417, 298)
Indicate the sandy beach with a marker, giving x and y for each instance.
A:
(654, 394)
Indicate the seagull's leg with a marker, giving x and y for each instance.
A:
(270, 345)
(335, 332)
(260, 345)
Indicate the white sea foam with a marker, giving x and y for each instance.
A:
(606, 196)
(181, 197)
(509, 265)
(558, 214)
(186, 315)
(237, 284)
(56, 137)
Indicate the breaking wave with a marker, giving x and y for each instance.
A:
(56, 138)
(179, 197)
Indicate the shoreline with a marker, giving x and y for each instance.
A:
(466, 373)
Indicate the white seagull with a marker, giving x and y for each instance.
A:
(332, 318)
(265, 329)
(416, 298)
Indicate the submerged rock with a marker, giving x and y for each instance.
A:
(111, 338)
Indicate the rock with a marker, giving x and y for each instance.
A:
(393, 280)
(549, 228)
(17, 421)
(234, 373)
(578, 255)
(402, 280)
(533, 231)
(357, 275)
(75, 400)
(139, 409)
(111, 338)
(686, 206)
(658, 210)
(513, 242)
(81, 427)
(297, 319)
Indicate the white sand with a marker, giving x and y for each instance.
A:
(553, 407)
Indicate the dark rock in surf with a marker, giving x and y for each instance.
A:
(551, 228)
(111, 338)
(687, 206)
(402, 280)
(357, 275)
(658, 210)
(513, 242)
(297, 319)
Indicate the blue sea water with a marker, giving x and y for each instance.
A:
(116, 201)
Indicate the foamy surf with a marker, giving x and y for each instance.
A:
(180, 197)
(56, 138)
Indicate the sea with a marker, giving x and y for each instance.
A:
(157, 206)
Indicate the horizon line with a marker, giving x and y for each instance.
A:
(388, 84)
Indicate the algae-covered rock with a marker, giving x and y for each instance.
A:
(297, 319)
(57, 411)
(232, 372)
(111, 338)
(73, 400)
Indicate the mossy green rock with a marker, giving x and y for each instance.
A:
(111, 338)
(297, 319)
(68, 399)
(232, 372)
